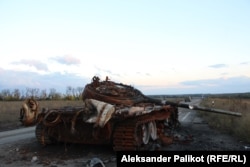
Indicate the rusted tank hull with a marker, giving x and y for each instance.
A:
(112, 113)
(130, 133)
(84, 133)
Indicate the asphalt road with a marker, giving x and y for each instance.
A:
(187, 115)
(16, 135)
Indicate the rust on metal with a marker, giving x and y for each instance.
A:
(112, 113)
(29, 112)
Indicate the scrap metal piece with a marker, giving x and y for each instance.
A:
(95, 162)
(112, 113)
(104, 113)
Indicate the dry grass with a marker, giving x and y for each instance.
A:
(9, 111)
(237, 126)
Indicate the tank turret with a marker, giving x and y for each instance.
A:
(112, 113)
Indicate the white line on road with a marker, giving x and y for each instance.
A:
(183, 119)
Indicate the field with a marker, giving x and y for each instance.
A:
(9, 111)
(236, 126)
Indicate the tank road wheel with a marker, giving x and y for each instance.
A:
(145, 133)
(152, 130)
(42, 135)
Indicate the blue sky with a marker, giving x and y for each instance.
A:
(160, 47)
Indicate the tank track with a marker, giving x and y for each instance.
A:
(42, 134)
(128, 135)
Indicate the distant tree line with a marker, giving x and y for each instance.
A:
(43, 94)
(221, 95)
(230, 95)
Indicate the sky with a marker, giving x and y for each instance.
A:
(159, 47)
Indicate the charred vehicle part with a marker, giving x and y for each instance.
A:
(112, 113)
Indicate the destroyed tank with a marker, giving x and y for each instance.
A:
(112, 113)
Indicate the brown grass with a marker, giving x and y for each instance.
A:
(9, 111)
(237, 126)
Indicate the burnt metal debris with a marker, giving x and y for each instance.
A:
(112, 113)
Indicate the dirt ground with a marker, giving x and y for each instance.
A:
(30, 153)
(189, 137)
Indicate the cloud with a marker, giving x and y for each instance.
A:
(22, 80)
(220, 85)
(67, 59)
(244, 63)
(238, 84)
(218, 66)
(33, 63)
(208, 82)
(224, 73)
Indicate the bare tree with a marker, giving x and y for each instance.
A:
(6, 95)
(69, 93)
(28, 93)
(32, 92)
(57, 96)
(52, 93)
(35, 92)
(43, 94)
(69, 90)
(23, 95)
(79, 91)
(16, 94)
(74, 93)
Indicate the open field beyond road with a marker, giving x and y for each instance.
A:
(9, 114)
(239, 127)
